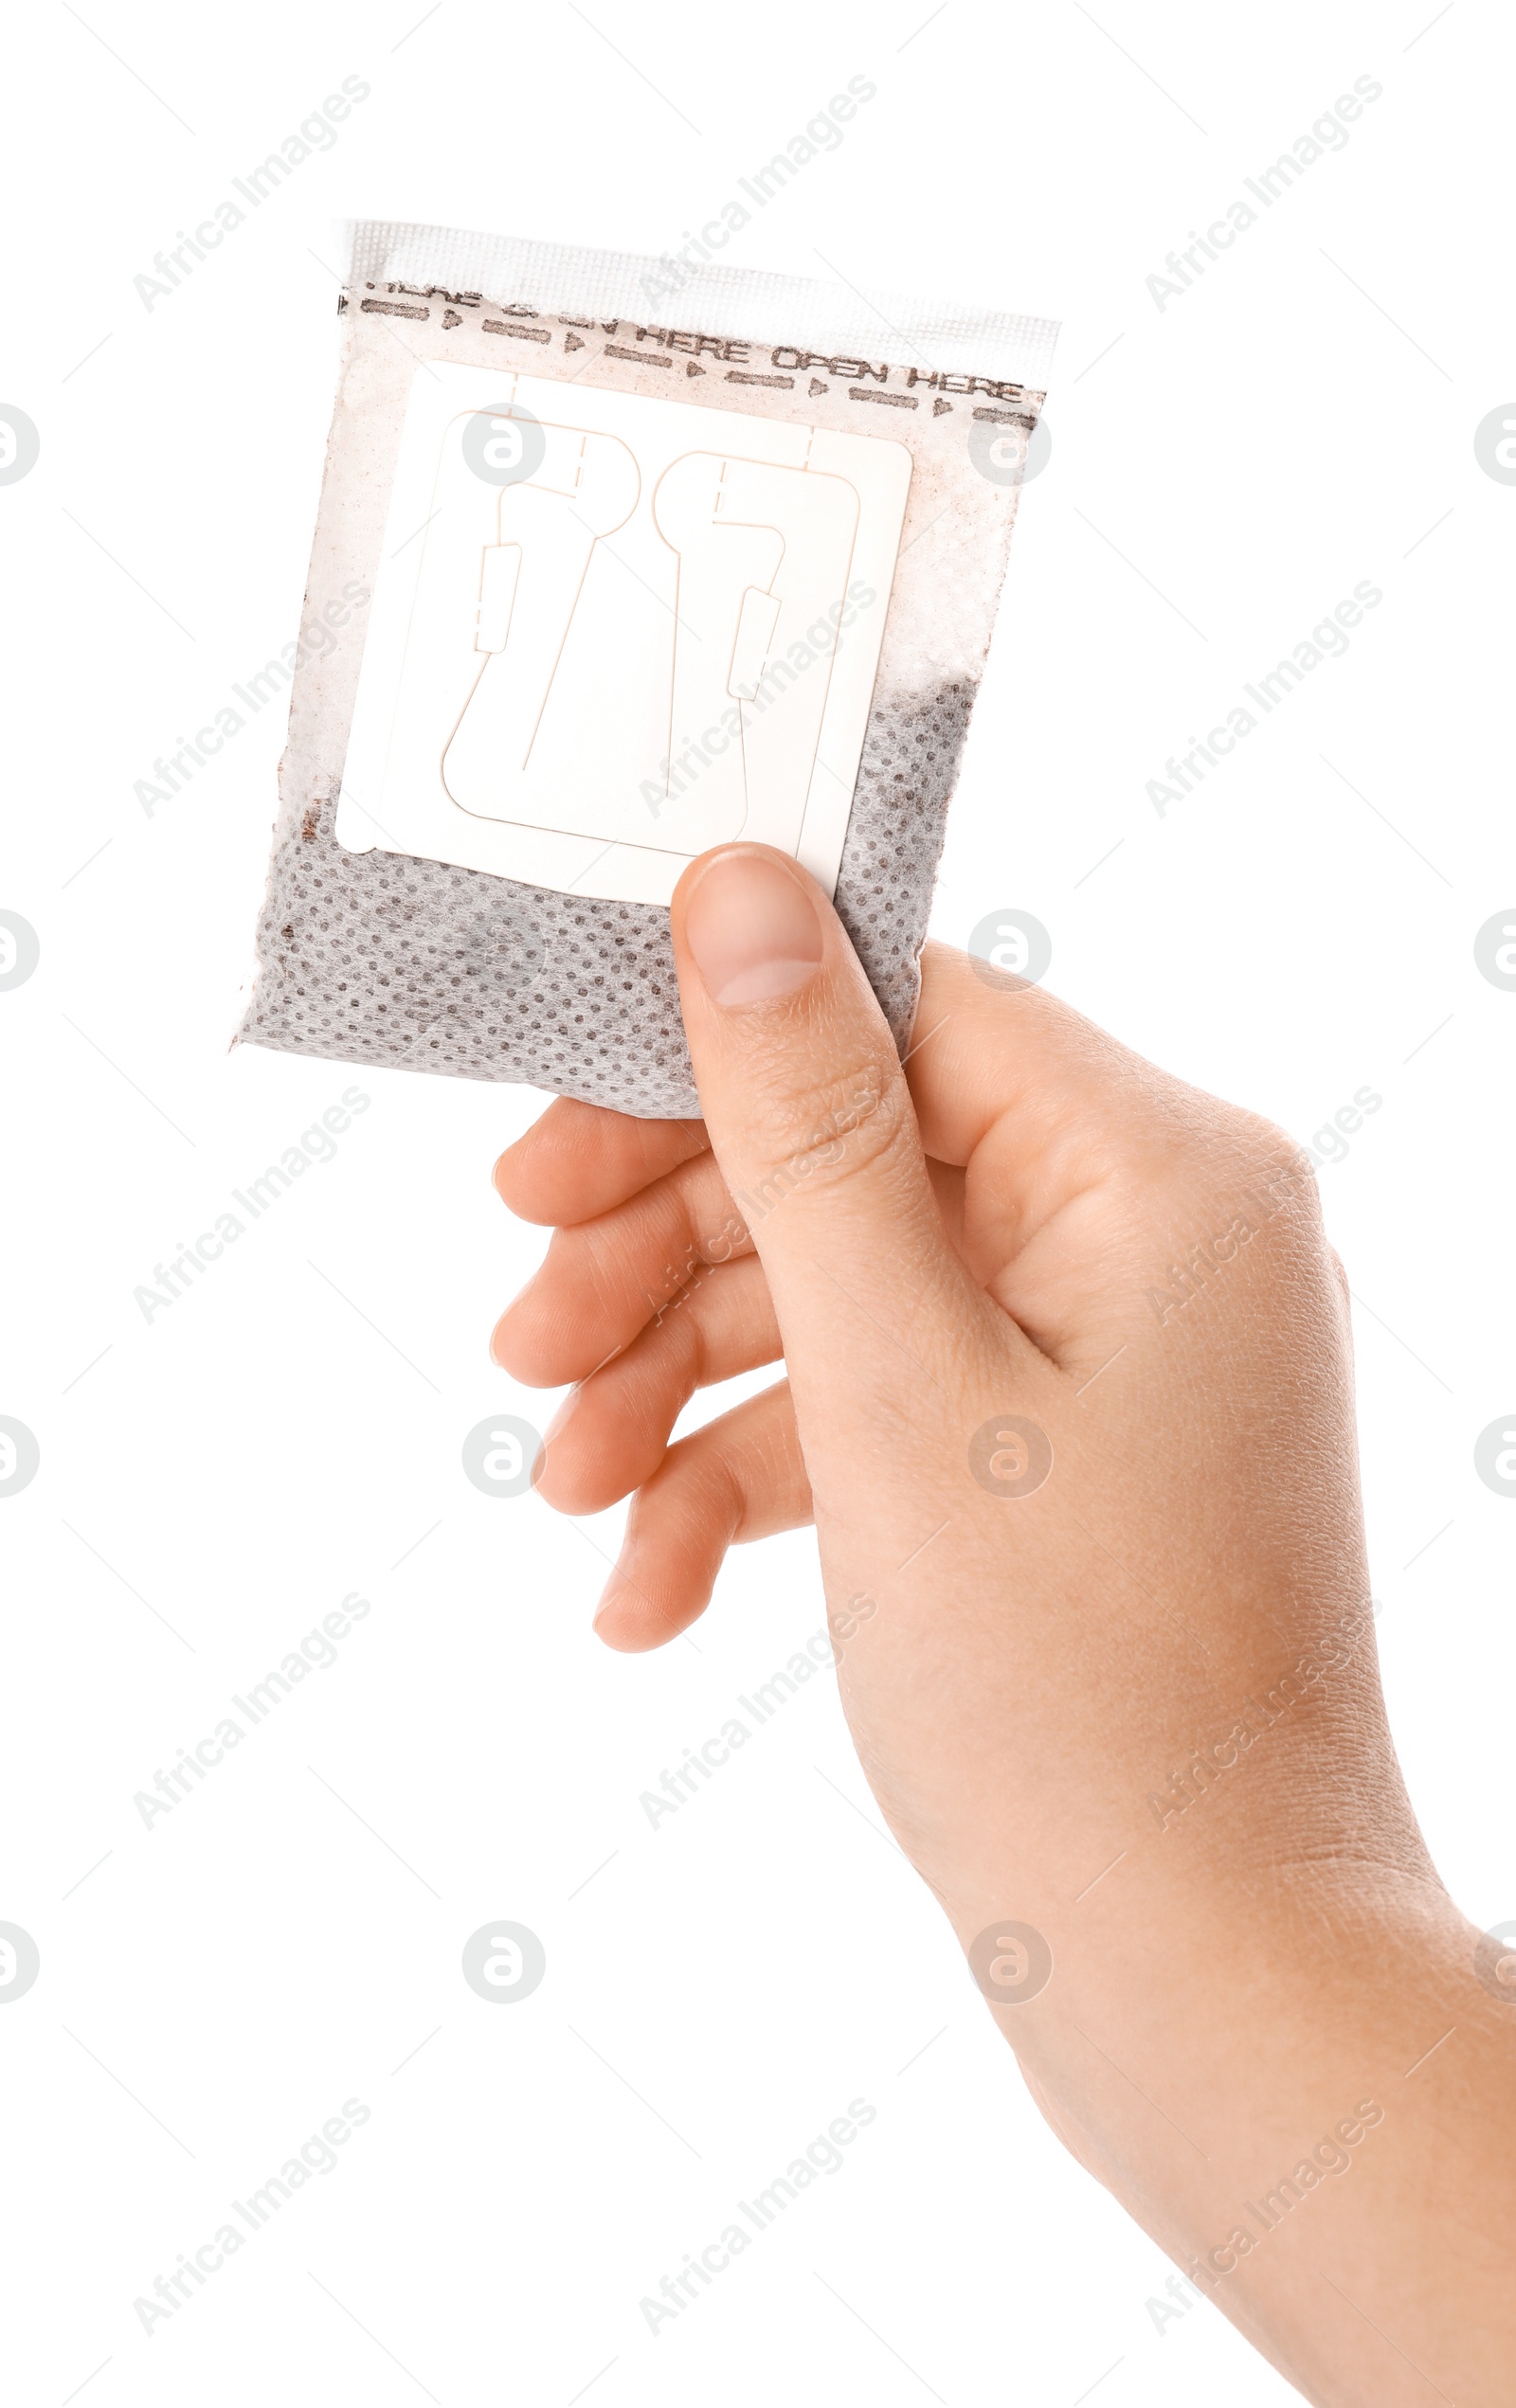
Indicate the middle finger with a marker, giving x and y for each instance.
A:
(604, 1280)
(611, 1434)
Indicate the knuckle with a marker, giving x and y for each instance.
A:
(1222, 1151)
(1230, 1186)
(1269, 1146)
(604, 1266)
(825, 1132)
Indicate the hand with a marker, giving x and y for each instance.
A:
(1070, 1399)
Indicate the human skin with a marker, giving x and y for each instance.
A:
(1066, 1691)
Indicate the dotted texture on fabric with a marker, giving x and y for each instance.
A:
(414, 966)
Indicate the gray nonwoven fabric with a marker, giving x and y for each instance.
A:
(387, 958)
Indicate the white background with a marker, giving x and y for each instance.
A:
(1223, 472)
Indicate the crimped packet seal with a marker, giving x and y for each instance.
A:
(408, 959)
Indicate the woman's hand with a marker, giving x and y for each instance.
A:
(1070, 1401)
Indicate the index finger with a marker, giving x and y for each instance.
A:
(580, 1161)
(989, 1050)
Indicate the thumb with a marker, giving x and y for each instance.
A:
(812, 1125)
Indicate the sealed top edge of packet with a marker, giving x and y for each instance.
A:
(617, 558)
